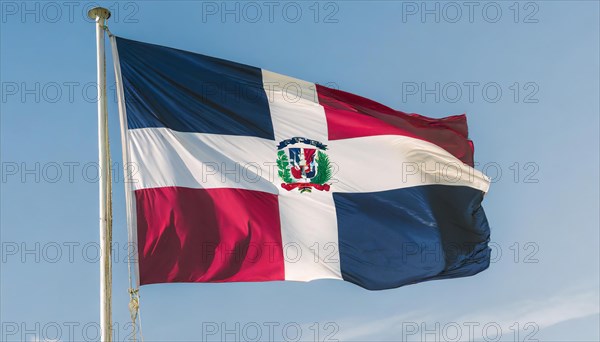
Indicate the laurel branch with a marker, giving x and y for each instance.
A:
(284, 171)
(324, 174)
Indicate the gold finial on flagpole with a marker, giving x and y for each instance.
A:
(98, 12)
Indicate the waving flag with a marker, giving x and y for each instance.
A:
(242, 174)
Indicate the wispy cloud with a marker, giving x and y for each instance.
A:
(363, 328)
(531, 315)
(546, 312)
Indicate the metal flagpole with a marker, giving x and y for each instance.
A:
(100, 15)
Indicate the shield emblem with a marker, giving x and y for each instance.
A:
(302, 163)
(303, 168)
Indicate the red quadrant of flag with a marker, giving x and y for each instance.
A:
(208, 235)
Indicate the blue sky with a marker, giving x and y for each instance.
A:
(526, 74)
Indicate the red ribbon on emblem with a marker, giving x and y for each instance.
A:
(292, 186)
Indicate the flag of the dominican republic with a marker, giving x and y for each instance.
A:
(243, 174)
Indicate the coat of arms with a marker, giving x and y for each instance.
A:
(303, 168)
